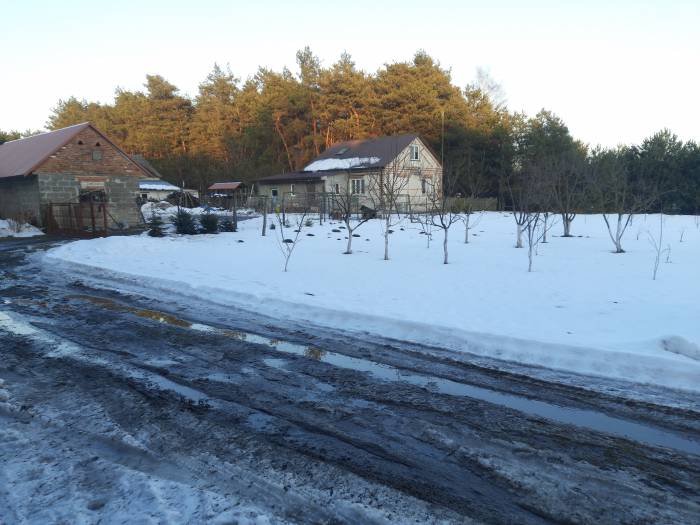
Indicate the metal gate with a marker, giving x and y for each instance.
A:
(80, 219)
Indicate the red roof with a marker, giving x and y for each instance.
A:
(22, 156)
(225, 185)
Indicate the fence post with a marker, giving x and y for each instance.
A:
(104, 217)
(92, 217)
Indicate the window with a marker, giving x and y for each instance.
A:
(414, 153)
(337, 189)
(273, 192)
(423, 186)
(358, 186)
(291, 189)
(96, 154)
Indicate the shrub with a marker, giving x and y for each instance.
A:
(227, 225)
(155, 226)
(184, 222)
(309, 223)
(209, 222)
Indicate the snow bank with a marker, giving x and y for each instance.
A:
(9, 228)
(583, 309)
(341, 164)
(166, 210)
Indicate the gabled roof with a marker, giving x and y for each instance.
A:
(141, 161)
(22, 156)
(361, 154)
(225, 185)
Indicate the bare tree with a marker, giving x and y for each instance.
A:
(619, 195)
(386, 189)
(444, 210)
(346, 204)
(288, 244)
(473, 182)
(536, 229)
(567, 172)
(657, 243)
(527, 189)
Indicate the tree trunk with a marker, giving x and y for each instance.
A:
(566, 221)
(466, 230)
(544, 229)
(444, 246)
(618, 235)
(264, 226)
(348, 250)
(519, 241)
(386, 237)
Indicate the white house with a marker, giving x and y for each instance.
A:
(353, 166)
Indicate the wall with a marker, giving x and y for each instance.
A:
(20, 195)
(72, 167)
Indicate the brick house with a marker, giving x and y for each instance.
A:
(77, 164)
(352, 166)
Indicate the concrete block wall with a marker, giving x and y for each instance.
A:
(20, 195)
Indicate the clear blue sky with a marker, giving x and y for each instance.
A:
(615, 71)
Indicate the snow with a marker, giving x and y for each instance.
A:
(583, 309)
(8, 228)
(157, 186)
(341, 164)
(166, 210)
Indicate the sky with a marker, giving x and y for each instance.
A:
(614, 71)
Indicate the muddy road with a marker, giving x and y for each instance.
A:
(120, 404)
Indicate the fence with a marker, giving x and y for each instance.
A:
(83, 219)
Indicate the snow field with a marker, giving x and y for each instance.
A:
(582, 309)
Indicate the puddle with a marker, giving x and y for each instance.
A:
(574, 416)
(273, 362)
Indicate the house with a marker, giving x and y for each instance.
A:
(70, 178)
(223, 193)
(155, 188)
(353, 166)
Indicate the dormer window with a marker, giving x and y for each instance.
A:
(415, 153)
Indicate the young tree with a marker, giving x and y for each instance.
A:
(473, 181)
(346, 205)
(288, 244)
(386, 189)
(620, 195)
(444, 209)
(568, 173)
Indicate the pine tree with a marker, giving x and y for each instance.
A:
(155, 225)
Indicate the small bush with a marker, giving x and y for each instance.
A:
(209, 222)
(226, 225)
(309, 223)
(184, 223)
(155, 226)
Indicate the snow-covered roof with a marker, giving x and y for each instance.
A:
(342, 164)
(157, 185)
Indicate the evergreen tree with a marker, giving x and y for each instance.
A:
(155, 225)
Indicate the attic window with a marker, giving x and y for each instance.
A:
(414, 152)
(342, 150)
(96, 154)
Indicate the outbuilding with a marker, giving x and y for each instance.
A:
(73, 179)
